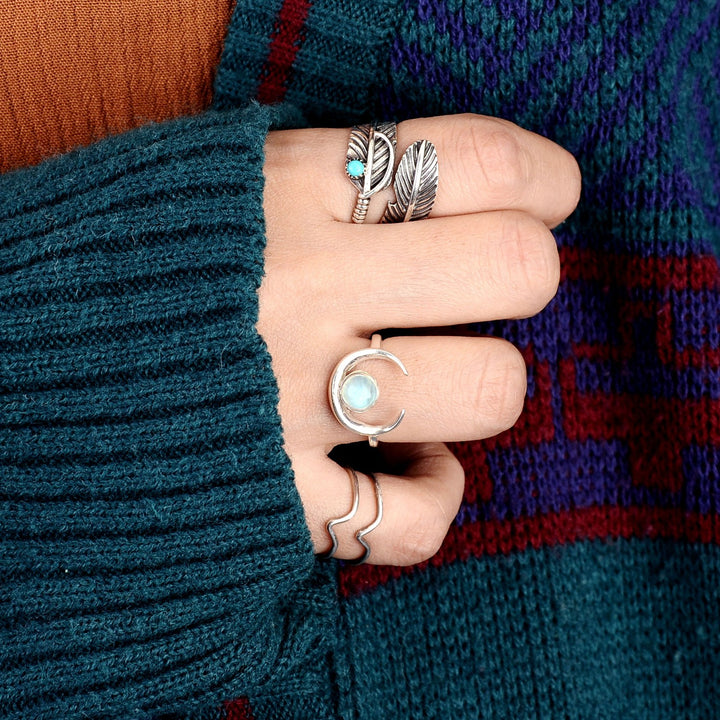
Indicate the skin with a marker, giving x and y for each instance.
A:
(485, 253)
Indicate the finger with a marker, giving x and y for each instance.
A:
(420, 501)
(443, 271)
(499, 165)
(457, 388)
(484, 164)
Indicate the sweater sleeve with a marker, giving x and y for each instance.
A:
(150, 531)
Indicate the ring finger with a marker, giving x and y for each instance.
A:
(457, 388)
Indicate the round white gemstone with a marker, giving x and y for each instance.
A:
(359, 391)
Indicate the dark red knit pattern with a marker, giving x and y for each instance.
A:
(238, 710)
(286, 40)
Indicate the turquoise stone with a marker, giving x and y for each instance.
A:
(355, 168)
(359, 391)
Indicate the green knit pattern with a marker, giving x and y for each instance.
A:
(342, 59)
(150, 524)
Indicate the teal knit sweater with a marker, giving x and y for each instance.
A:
(154, 560)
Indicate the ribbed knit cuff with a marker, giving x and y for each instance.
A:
(326, 57)
(150, 531)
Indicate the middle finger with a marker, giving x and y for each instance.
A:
(443, 271)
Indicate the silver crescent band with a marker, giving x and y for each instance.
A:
(356, 391)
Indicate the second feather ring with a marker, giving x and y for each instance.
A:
(415, 184)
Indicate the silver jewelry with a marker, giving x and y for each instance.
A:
(370, 162)
(356, 391)
(360, 534)
(415, 184)
(349, 516)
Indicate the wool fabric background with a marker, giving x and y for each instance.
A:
(75, 72)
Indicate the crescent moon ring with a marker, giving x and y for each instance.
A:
(340, 409)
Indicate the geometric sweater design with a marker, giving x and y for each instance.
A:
(619, 443)
(154, 557)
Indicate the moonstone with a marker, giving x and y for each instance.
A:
(355, 168)
(359, 391)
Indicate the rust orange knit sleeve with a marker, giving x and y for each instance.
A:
(74, 72)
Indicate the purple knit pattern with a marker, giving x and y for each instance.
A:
(628, 411)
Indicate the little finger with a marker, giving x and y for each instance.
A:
(418, 505)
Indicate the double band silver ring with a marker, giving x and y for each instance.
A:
(360, 534)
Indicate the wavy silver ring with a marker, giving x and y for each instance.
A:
(360, 534)
(330, 526)
(356, 391)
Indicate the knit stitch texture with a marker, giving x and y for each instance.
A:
(155, 561)
(149, 520)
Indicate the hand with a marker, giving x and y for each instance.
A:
(485, 253)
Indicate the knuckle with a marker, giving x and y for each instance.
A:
(575, 182)
(497, 151)
(530, 260)
(571, 182)
(502, 387)
(423, 535)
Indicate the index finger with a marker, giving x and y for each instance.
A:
(485, 164)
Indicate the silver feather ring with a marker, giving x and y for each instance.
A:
(370, 165)
(370, 162)
(415, 184)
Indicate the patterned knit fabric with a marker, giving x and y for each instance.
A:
(150, 526)
(582, 576)
(153, 556)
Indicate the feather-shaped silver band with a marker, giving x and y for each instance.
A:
(415, 184)
(370, 162)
